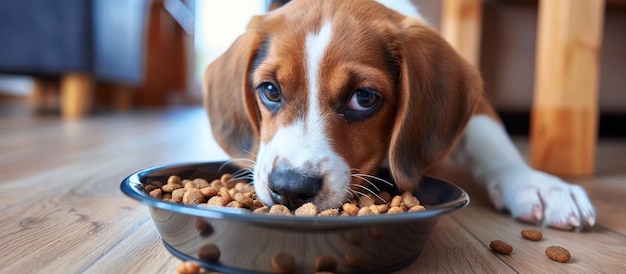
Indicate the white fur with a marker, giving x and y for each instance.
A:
(528, 194)
(305, 143)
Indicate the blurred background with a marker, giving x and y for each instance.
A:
(107, 56)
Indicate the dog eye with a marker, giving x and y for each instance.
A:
(270, 94)
(363, 100)
(363, 103)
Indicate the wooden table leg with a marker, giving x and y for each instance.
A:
(565, 104)
(461, 27)
(76, 91)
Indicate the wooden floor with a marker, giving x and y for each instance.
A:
(61, 210)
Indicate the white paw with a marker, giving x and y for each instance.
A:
(537, 197)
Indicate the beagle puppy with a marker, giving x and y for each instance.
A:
(318, 94)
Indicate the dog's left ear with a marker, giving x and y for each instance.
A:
(228, 96)
(438, 91)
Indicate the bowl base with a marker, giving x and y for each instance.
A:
(229, 269)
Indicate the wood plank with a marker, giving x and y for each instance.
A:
(146, 250)
(565, 102)
(600, 250)
(451, 249)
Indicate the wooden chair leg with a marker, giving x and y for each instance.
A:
(461, 27)
(565, 103)
(76, 92)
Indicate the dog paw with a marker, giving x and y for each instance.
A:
(536, 197)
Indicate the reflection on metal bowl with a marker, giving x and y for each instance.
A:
(248, 242)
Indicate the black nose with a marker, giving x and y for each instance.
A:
(293, 188)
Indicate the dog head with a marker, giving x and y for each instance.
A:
(320, 93)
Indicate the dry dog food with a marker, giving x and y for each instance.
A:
(188, 267)
(533, 235)
(230, 192)
(501, 247)
(558, 254)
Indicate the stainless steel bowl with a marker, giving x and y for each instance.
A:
(247, 242)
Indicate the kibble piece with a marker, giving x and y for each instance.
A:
(155, 193)
(501, 247)
(533, 235)
(235, 204)
(193, 196)
(395, 209)
(188, 267)
(217, 201)
(169, 188)
(396, 201)
(208, 191)
(374, 209)
(279, 210)
(351, 209)
(382, 208)
(189, 185)
(329, 212)
(174, 180)
(232, 192)
(261, 210)
(200, 183)
(325, 264)
(283, 263)
(416, 208)
(409, 200)
(257, 203)
(226, 178)
(209, 253)
(558, 254)
(217, 184)
(177, 195)
(224, 194)
(365, 211)
(149, 188)
(244, 200)
(307, 209)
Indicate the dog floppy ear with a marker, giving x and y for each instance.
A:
(228, 95)
(437, 94)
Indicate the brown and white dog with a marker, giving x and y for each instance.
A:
(320, 93)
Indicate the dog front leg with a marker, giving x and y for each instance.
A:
(528, 194)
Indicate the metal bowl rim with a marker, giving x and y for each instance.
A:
(130, 187)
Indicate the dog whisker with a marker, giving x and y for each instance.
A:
(251, 163)
(360, 176)
(370, 191)
(376, 178)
